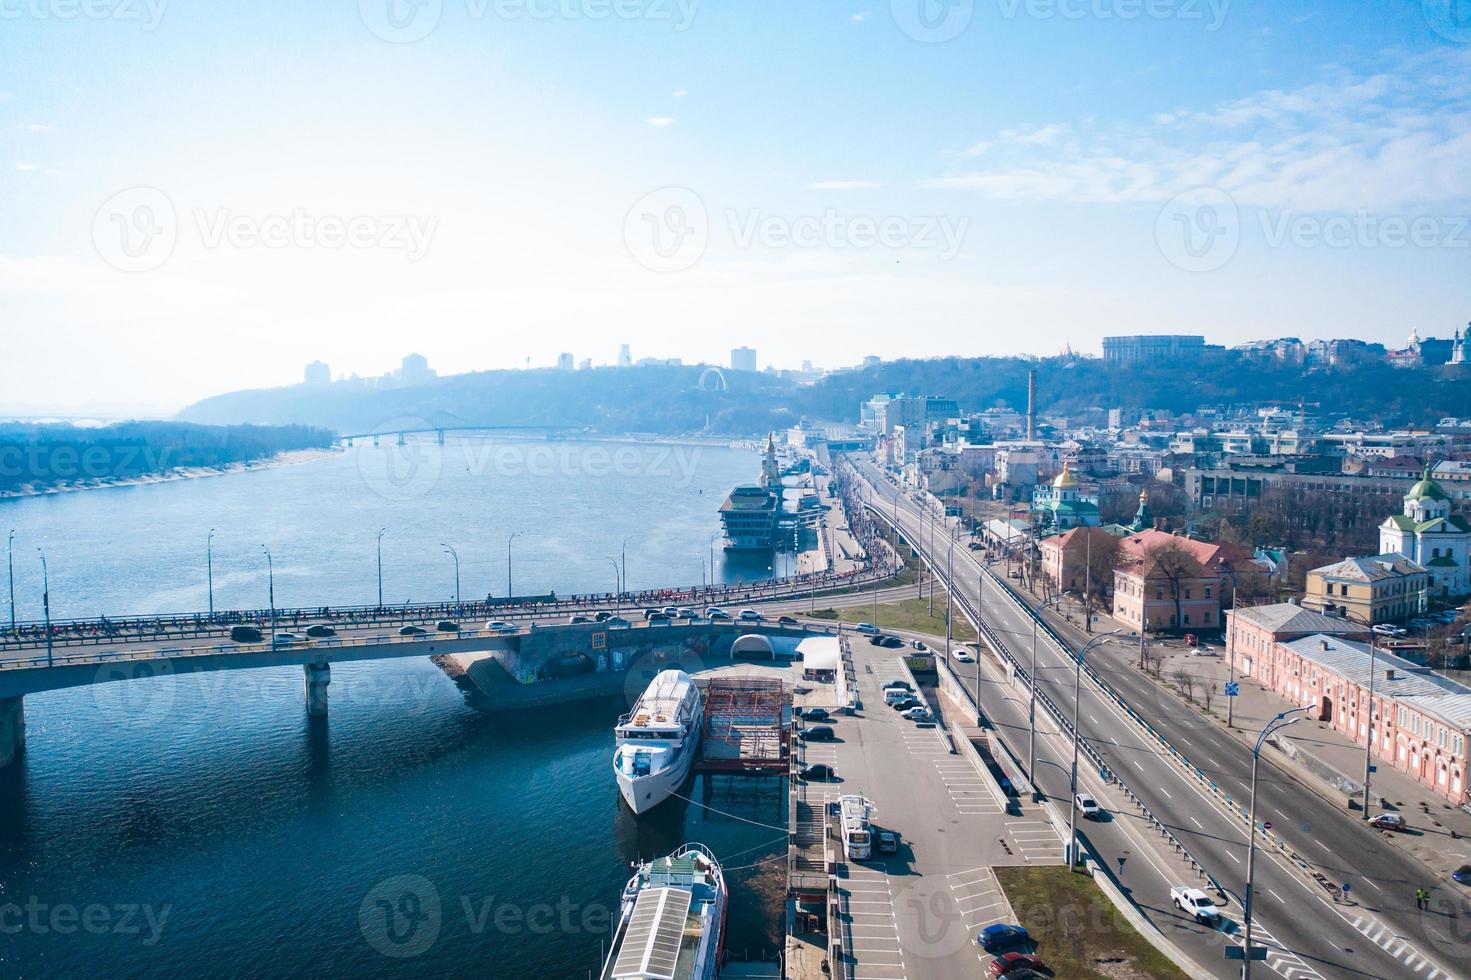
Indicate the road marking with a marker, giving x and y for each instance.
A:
(1196, 822)
(1322, 845)
(1232, 856)
(1276, 896)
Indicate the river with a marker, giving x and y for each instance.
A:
(203, 825)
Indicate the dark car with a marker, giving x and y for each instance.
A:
(319, 631)
(246, 634)
(785, 621)
(1462, 874)
(602, 615)
(904, 704)
(888, 842)
(657, 617)
(1013, 964)
(892, 642)
(1001, 937)
(410, 630)
(902, 685)
(820, 773)
(877, 639)
(816, 714)
(447, 626)
(818, 733)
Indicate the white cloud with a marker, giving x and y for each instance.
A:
(862, 16)
(26, 166)
(680, 93)
(660, 121)
(1396, 138)
(37, 128)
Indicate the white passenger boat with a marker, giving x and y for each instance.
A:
(658, 740)
(672, 922)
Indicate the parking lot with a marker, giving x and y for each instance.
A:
(910, 914)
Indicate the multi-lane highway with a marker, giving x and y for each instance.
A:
(1377, 933)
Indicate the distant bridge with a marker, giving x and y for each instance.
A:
(440, 430)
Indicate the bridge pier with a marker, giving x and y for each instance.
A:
(12, 729)
(318, 676)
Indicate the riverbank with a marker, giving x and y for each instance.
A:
(289, 458)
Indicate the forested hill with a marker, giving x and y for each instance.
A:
(39, 456)
(671, 400)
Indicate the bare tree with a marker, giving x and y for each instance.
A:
(1185, 681)
(1100, 558)
(1207, 694)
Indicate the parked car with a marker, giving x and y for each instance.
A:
(1384, 629)
(816, 714)
(500, 626)
(904, 704)
(689, 614)
(1002, 936)
(819, 773)
(750, 616)
(410, 630)
(447, 626)
(1195, 902)
(246, 634)
(891, 642)
(616, 621)
(1014, 963)
(919, 645)
(1388, 821)
(1462, 875)
(786, 621)
(888, 842)
(602, 615)
(868, 628)
(720, 614)
(899, 685)
(1202, 652)
(1087, 806)
(320, 632)
(919, 713)
(818, 733)
(576, 618)
(284, 639)
(963, 656)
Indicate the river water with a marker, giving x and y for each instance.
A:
(185, 826)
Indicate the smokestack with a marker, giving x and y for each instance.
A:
(1031, 405)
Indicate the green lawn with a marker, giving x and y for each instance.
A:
(1079, 933)
(907, 614)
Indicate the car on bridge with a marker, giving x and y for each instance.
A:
(577, 618)
(715, 612)
(867, 628)
(500, 626)
(447, 626)
(616, 622)
(411, 630)
(320, 632)
(750, 616)
(284, 639)
(246, 634)
(603, 616)
(964, 656)
(1087, 806)
(658, 619)
(1196, 903)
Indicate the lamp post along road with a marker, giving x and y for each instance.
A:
(209, 569)
(456, 556)
(271, 589)
(46, 602)
(10, 563)
(1072, 850)
(1369, 739)
(509, 592)
(1277, 723)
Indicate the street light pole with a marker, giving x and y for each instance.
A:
(46, 602)
(1280, 721)
(1369, 742)
(949, 596)
(271, 590)
(1072, 852)
(209, 569)
(1231, 653)
(380, 566)
(509, 592)
(10, 562)
(625, 562)
(456, 556)
(617, 587)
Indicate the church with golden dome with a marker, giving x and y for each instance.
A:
(1062, 506)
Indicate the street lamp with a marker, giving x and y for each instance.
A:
(456, 556)
(617, 587)
(1282, 720)
(10, 562)
(710, 548)
(1032, 699)
(380, 566)
(1369, 742)
(209, 569)
(1078, 738)
(949, 595)
(513, 537)
(624, 553)
(46, 602)
(271, 589)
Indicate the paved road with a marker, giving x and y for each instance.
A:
(1385, 936)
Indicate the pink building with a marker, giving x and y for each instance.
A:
(1169, 582)
(1422, 721)
(1252, 631)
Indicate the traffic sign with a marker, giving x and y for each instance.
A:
(1346, 887)
(1232, 689)
(1266, 825)
(1238, 953)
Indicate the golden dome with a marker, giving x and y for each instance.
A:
(1065, 478)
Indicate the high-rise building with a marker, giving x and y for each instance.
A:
(415, 370)
(564, 361)
(317, 373)
(625, 357)
(585, 364)
(1151, 347)
(743, 359)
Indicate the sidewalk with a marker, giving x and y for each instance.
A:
(1329, 764)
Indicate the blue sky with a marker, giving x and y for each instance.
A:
(200, 197)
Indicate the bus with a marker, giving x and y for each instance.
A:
(854, 813)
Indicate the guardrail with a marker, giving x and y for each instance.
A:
(1060, 717)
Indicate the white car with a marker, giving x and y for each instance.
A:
(963, 656)
(1087, 806)
(1196, 902)
(499, 626)
(919, 714)
(868, 628)
(750, 616)
(1202, 652)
